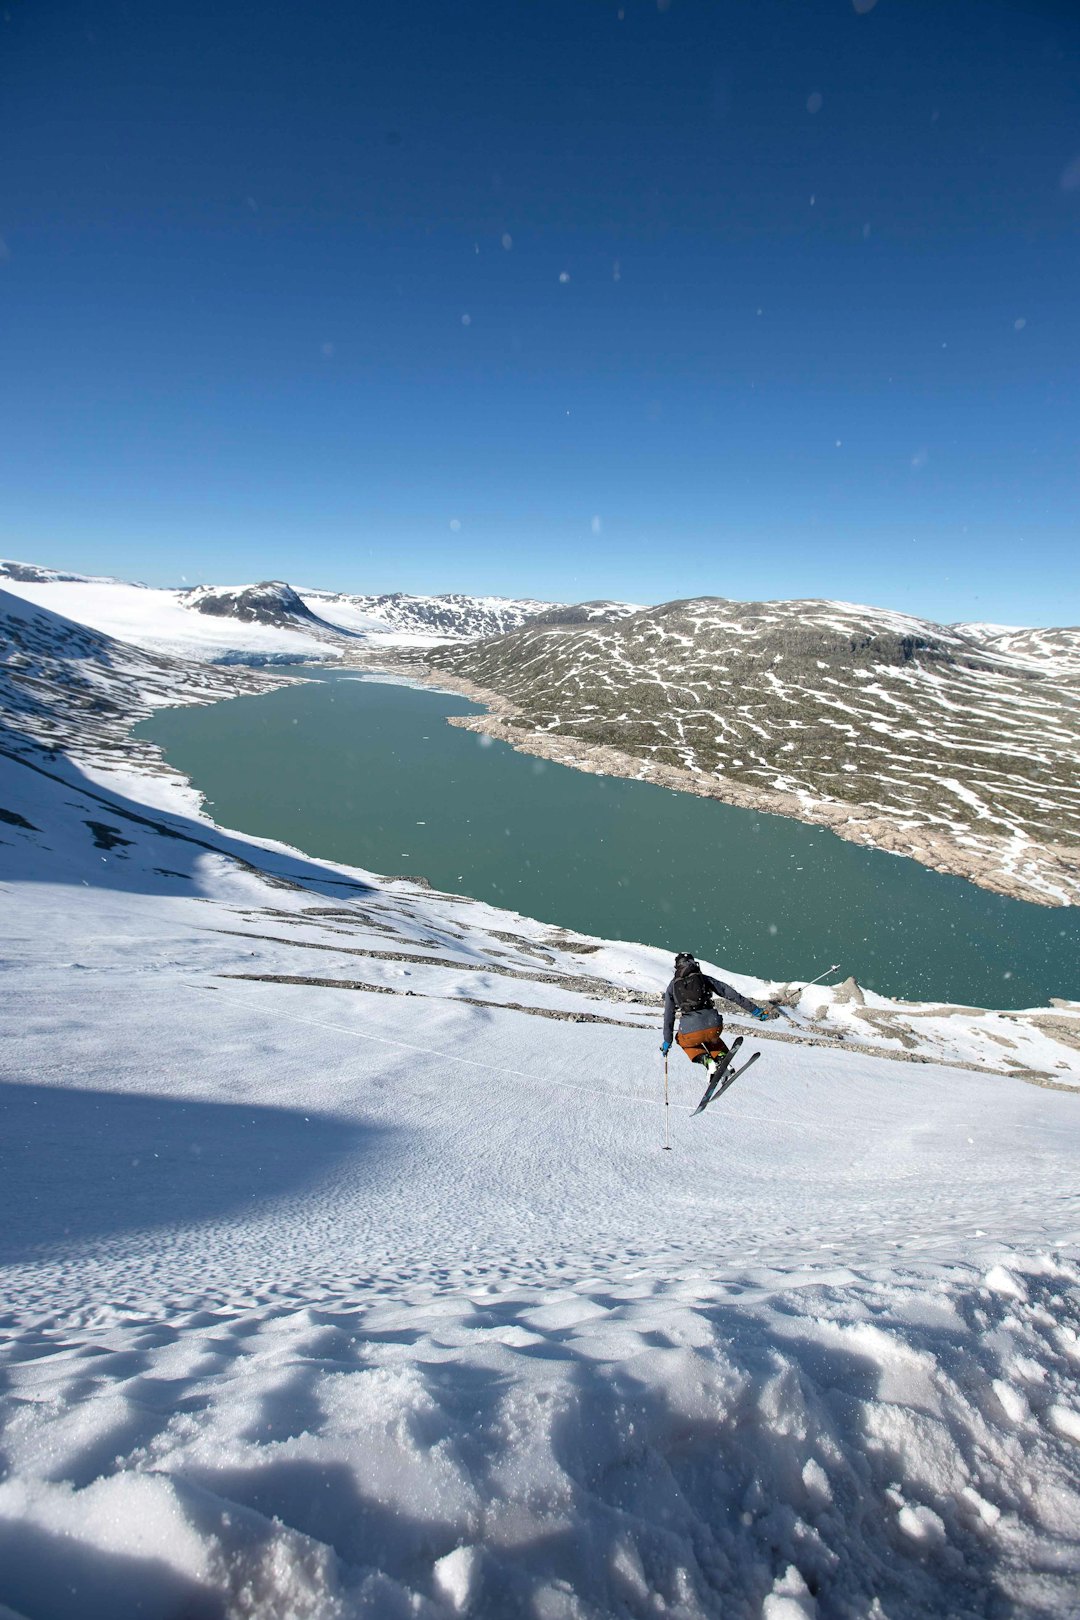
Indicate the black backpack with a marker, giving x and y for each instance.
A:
(692, 991)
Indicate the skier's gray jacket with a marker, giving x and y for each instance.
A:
(707, 1017)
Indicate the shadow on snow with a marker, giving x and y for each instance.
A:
(77, 1164)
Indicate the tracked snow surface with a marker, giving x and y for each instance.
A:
(345, 1275)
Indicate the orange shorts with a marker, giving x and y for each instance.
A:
(699, 1043)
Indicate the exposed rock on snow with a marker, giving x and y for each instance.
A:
(894, 732)
(272, 602)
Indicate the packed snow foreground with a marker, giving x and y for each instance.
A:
(345, 1275)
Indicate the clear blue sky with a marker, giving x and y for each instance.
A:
(550, 297)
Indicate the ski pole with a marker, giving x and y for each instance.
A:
(820, 976)
(806, 986)
(667, 1115)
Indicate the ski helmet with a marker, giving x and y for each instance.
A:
(684, 962)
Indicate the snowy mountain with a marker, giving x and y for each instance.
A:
(211, 624)
(1055, 651)
(446, 618)
(32, 574)
(915, 737)
(344, 1274)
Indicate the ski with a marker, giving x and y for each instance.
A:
(718, 1074)
(733, 1074)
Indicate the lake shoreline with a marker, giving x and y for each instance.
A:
(500, 835)
(1039, 874)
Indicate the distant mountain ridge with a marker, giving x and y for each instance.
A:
(33, 574)
(600, 612)
(1056, 649)
(454, 616)
(942, 742)
(280, 622)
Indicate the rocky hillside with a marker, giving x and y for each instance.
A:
(920, 738)
(588, 613)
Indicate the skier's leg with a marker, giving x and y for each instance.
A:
(702, 1046)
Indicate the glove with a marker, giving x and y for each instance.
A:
(666, 1048)
(760, 1013)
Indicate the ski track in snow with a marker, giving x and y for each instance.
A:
(374, 1302)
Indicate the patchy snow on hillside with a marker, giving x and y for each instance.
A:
(345, 1275)
(1055, 651)
(922, 739)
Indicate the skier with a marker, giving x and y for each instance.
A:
(691, 993)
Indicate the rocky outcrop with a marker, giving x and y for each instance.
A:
(272, 602)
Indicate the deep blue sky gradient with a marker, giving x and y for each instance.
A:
(260, 320)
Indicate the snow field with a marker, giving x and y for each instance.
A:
(342, 1274)
(416, 1336)
(618, 1445)
(167, 620)
(158, 621)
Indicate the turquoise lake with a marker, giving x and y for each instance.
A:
(369, 773)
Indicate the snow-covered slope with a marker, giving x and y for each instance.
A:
(64, 686)
(33, 574)
(911, 736)
(180, 624)
(345, 1275)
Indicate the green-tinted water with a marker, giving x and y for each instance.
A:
(370, 774)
